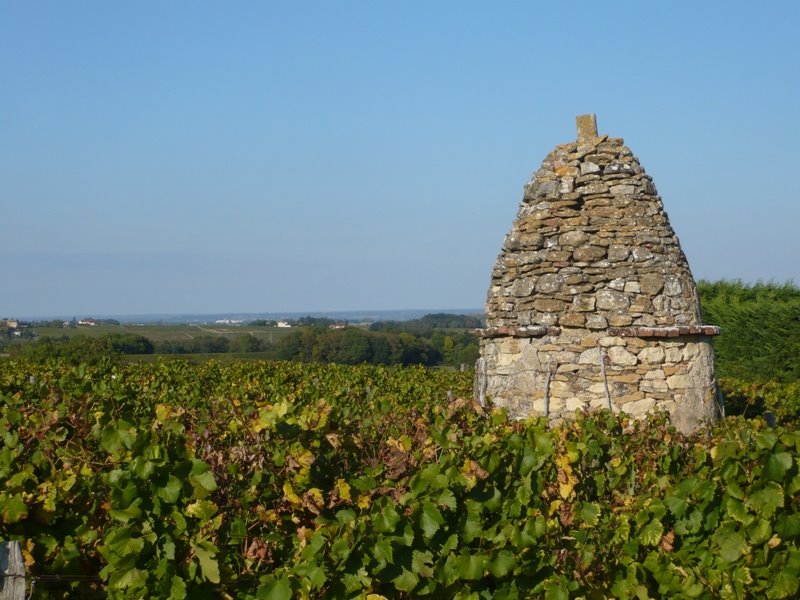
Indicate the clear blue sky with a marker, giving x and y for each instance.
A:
(188, 157)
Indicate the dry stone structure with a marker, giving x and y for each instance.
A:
(592, 303)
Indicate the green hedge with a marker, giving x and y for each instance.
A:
(760, 323)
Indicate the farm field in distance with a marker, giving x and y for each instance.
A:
(437, 339)
(172, 333)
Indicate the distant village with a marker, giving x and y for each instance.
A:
(12, 325)
(19, 329)
(16, 326)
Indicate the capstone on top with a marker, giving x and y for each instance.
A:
(587, 127)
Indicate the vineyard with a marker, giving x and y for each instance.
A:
(283, 480)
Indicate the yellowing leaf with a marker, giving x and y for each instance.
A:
(269, 415)
(565, 489)
(163, 412)
(305, 458)
(290, 495)
(202, 509)
(652, 533)
(67, 483)
(566, 479)
(323, 409)
(344, 489)
(403, 443)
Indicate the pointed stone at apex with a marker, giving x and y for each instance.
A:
(587, 127)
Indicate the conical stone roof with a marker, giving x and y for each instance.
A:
(591, 247)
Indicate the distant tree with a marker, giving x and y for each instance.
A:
(212, 344)
(298, 345)
(353, 346)
(417, 351)
(248, 343)
(448, 349)
(262, 323)
(381, 350)
(128, 343)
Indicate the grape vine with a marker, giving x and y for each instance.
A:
(281, 480)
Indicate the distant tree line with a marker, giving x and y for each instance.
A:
(435, 339)
(81, 348)
(426, 325)
(307, 321)
(210, 344)
(355, 346)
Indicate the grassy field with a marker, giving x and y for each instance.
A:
(171, 333)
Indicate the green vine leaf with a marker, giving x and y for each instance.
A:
(652, 533)
(503, 564)
(205, 553)
(385, 520)
(406, 581)
(202, 479)
(177, 590)
(275, 588)
(766, 500)
(430, 519)
(12, 509)
(778, 465)
(731, 544)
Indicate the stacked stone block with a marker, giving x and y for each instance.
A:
(592, 302)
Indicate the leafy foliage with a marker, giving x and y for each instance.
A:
(760, 323)
(281, 480)
(752, 399)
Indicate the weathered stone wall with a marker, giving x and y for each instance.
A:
(556, 375)
(592, 303)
